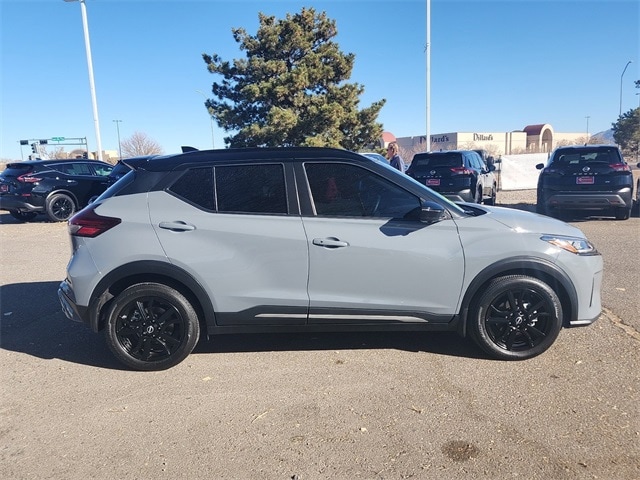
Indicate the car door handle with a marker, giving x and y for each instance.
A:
(330, 242)
(177, 226)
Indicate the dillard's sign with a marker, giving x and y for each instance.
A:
(481, 136)
(440, 139)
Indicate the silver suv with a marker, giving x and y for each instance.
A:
(314, 239)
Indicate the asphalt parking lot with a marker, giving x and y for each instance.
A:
(374, 406)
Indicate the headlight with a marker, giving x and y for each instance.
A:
(579, 246)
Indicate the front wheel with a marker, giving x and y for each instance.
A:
(517, 317)
(60, 207)
(151, 326)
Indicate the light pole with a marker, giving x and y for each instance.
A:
(94, 102)
(587, 117)
(118, 122)
(625, 69)
(210, 118)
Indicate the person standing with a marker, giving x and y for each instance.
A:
(395, 160)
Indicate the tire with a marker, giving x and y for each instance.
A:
(494, 195)
(23, 216)
(516, 317)
(478, 194)
(541, 208)
(623, 213)
(151, 326)
(60, 207)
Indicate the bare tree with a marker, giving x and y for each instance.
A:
(139, 144)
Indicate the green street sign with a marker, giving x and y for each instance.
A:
(57, 139)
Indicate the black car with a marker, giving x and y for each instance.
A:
(592, 179)
(460, 175)
(56, 188)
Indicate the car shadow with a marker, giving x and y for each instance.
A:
(6, 218)
(32, 322)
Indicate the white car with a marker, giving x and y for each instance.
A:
(315, 239)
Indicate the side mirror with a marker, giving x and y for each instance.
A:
(540, 166)
(638, 165)
(431, 212)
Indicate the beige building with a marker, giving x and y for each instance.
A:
(538, 138)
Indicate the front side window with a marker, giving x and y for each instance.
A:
(251, 189)
(345, 190)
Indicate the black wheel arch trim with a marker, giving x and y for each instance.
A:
(148, 271)
(64, 192)
(524, 265)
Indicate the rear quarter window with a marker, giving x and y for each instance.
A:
(196, 187)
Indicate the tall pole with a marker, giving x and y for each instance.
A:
(625, 69)
(587, 117)
(210, 119)
(428, 109)
(94, 102)
(118, 122)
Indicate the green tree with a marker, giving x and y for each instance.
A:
(626, 131)
(291, 88)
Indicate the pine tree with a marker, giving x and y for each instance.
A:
(291, 89)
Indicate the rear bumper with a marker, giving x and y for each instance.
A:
(591, 200)
(465, 196)
(13, 202)
(70, 308)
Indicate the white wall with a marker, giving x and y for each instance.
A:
(518, 172)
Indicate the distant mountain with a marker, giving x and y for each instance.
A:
(604, 137)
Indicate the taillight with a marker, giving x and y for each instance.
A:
(461, 171)
(87, 223)
(620, 167)
(26, 178)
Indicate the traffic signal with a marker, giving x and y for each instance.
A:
(34, 147)
(85, 154)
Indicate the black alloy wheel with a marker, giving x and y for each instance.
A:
(60, 207)
(151, 326)
(517, 317)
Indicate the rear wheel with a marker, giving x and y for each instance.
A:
(494, 196)
(517, 317)
(623, 213)
(23, 216)
(151, 326)
(60, 207)
(478, 194)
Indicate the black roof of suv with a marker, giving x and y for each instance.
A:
(586, 178)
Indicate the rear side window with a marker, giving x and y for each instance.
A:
(251, 189)
(72, 168)
(196, 186)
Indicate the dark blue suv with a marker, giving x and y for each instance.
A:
(459, 175)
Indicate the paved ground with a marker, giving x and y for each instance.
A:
(389, 406)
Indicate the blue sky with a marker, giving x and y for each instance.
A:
(495, 65)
